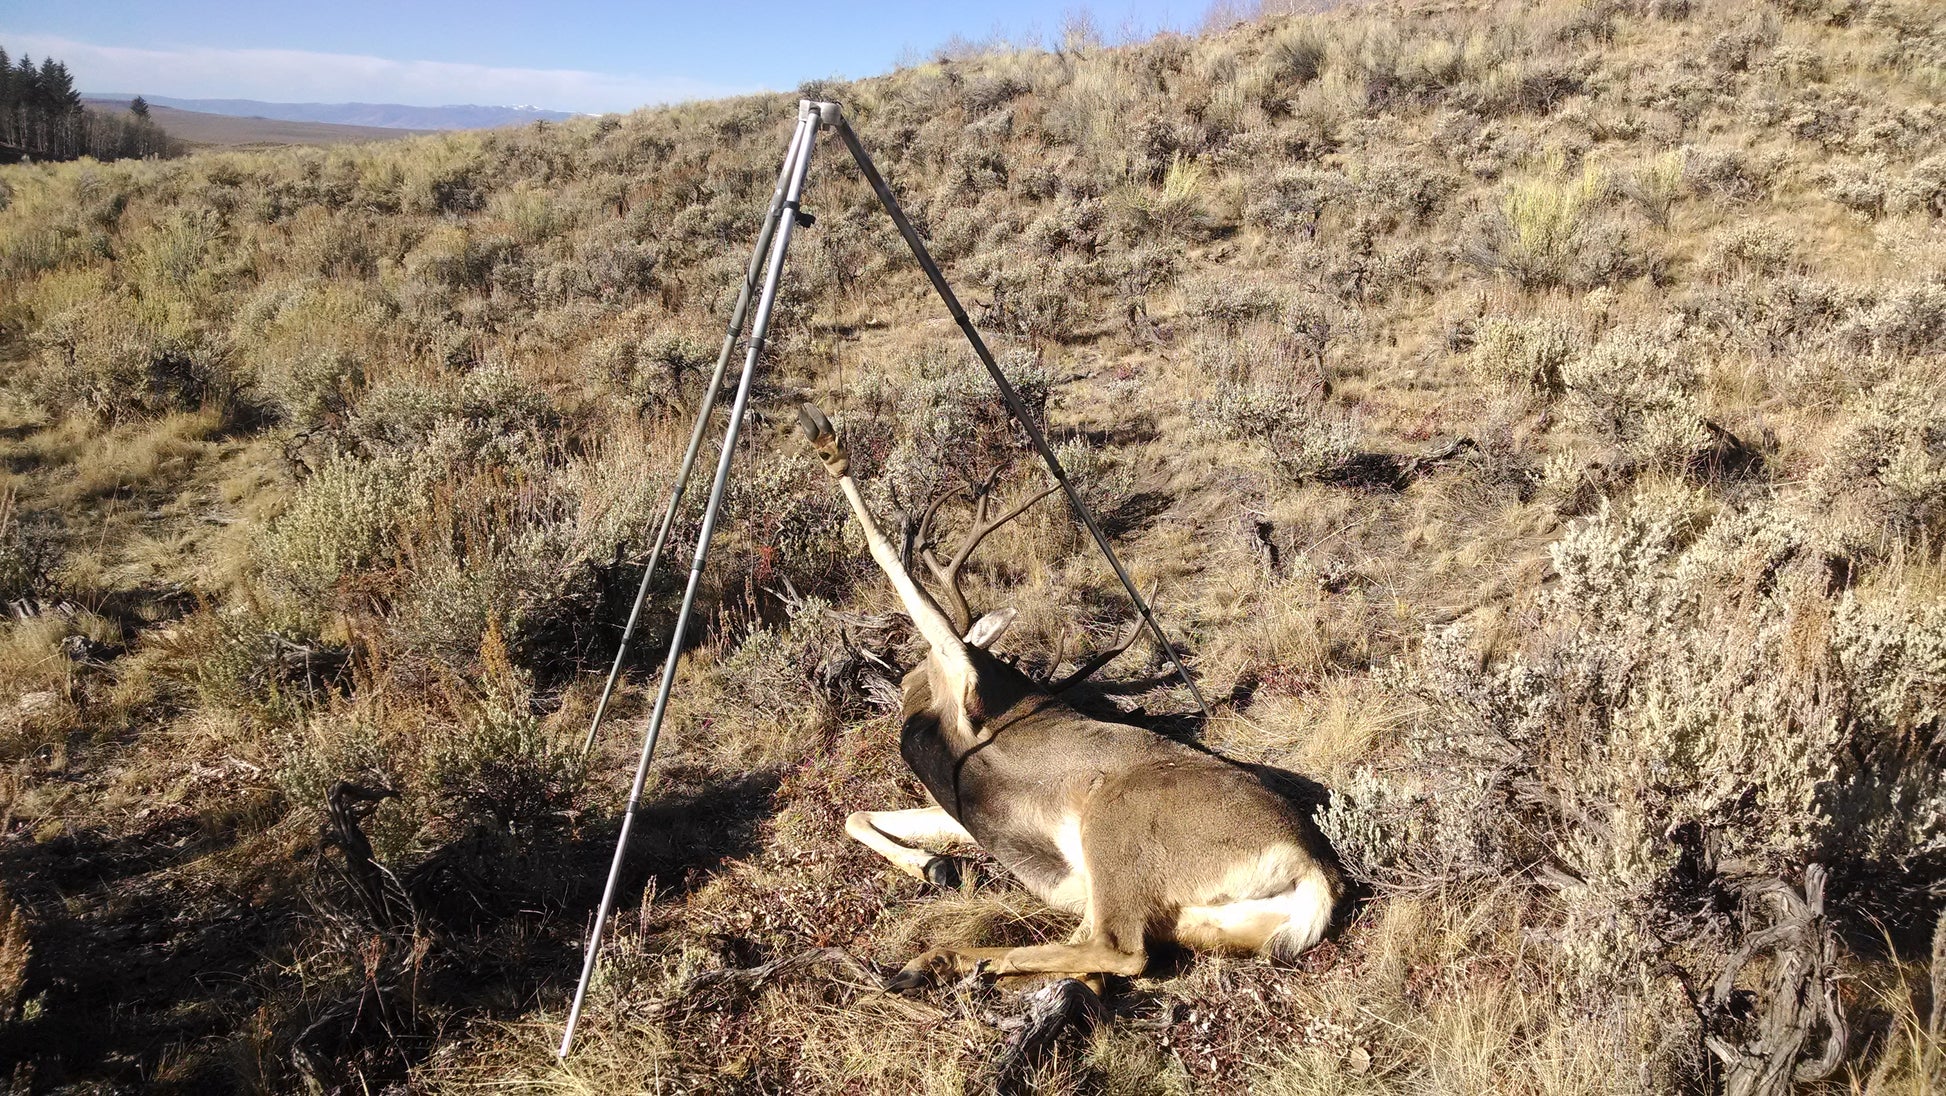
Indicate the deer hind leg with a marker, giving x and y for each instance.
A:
(1111, 944)
(906, 838)
(1086, 960)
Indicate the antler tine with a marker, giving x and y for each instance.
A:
(981, 524)
(1100, 658)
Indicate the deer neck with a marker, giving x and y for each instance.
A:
(995, 694)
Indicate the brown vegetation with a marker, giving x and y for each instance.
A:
(1530, 414)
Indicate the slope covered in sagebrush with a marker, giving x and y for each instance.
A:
(1530, 415)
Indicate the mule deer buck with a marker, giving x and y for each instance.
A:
(1149, 840)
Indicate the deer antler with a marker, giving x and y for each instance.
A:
(1099, 659)
(982, 525)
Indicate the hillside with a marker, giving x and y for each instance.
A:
(204, 129)
(1531, 416)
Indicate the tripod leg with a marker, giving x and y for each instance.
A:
(710, 393)
(759, 329)
(1007, 392)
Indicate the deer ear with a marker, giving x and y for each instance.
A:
(990, 627)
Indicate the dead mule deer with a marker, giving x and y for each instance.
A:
(1149, 840)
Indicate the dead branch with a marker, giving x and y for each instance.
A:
(1937, 1026)
(1068, 1005)
(717, 989)
(1801, 997)
(347, 805)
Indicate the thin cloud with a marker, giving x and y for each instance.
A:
(283, 75)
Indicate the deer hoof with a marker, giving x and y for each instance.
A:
(943, 871)
(924, 972)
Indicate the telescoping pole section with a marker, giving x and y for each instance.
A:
(805, 140)
(710, 394)
(1008, 394)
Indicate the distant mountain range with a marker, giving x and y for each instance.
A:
(379, 115)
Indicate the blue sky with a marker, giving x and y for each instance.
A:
(586, 55)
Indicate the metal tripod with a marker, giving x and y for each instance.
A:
(775, 237)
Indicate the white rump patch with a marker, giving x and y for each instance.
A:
(1282, 924)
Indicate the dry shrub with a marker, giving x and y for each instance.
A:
(310, 347)
(1690, 682)
(1881, 484)
(1905, 321)
(1655, 186)
(1921, 190)
(16, 952)
(1636, 390)
(21, 564)
(344, 518)
(1524, 353)
(1300, 436)
(946, 428)
(118, 357)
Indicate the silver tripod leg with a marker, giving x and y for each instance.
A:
(710, 394)
(808, 122)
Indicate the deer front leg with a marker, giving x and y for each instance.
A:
(906, 838)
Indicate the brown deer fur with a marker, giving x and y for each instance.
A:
(1148, 839)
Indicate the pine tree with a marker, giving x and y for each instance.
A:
(8, 99)
(42, 117)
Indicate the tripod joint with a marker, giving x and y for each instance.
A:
(827, 113)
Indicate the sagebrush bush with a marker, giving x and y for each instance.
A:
(343, 518)
(1636, 389)
(1529, 353)
(250, 662)
(1300, 436)
(118, 358)
(1882, 481)
(502, 764)
(791, 679)
(1690, 671)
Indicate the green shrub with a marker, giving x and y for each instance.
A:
(503, 765)
(1540, 232)
(249, 662)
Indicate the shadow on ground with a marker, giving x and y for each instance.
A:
(173, 958)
